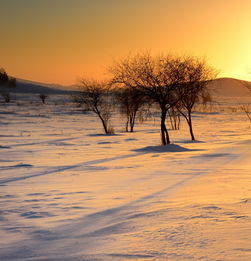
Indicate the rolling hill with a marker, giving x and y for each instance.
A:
(230, 87)
(26, 86)
(226, 87)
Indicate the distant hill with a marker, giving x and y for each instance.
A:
(229, 87)
(226, 87)
(25, 86)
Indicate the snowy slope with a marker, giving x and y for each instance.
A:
(229, 87)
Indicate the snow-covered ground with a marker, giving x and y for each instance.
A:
(70, 193)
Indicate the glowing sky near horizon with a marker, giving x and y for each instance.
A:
(59, 41)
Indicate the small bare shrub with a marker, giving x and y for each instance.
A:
(43, 97)
(6, 96)
(174, 116)
(131, 104)
(247, 109)
(95, 97)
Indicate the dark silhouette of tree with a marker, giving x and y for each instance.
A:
(6, 96)
(197, 75)
(174, 116)
(157, 78)
(206, 100)
(247, 109)
(130, 102)
(4, 81)
(43, 97)
(95, 97)
(4, 78)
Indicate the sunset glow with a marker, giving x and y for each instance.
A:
(125, 130)
(61, 40)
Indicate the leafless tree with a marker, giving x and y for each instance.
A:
(174, 116)
(6, 80)
(247, 109)
(43, 97)
(6, 96)
(206, 100)
(95, 97)
(197, 74)
(130, 102)
(157, 78)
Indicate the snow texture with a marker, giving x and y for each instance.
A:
(70, 193)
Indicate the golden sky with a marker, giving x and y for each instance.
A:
(59, 41)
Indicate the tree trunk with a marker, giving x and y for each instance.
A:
(164, 133)
(104, 123)
(171, 119)
(189, 121)
(127, 123)
(132, 121)
(178, 122)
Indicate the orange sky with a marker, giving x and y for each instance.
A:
(58, 41)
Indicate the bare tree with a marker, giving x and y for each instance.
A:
(154, 77)
(174, 116)
(95, 97)
(206, 100)
(6, 82)
(4, 78)
(197, 75)
(130, 102)
(43, 97)
(6, 96)
(247, 109)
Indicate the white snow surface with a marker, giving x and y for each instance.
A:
(70, 193)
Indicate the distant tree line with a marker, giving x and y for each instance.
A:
(173, 84)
